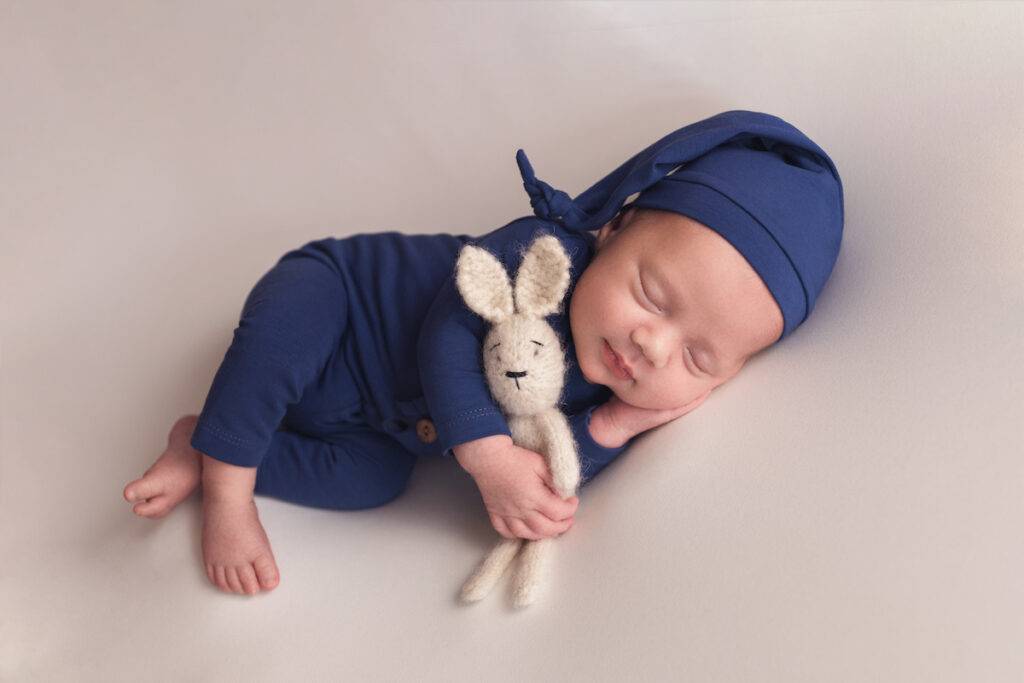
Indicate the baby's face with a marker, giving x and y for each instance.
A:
(678, 304)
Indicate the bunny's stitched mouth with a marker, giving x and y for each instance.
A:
(516, 375)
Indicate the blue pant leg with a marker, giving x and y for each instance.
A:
(361, 469)
(292, 322)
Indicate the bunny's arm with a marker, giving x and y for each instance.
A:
(449, 351)
(560, 450)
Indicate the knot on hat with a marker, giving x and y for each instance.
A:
(547, 202)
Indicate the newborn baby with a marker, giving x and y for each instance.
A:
(354, 357)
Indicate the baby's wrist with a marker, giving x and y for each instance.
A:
(471, 454)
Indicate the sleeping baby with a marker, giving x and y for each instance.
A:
(354, 357)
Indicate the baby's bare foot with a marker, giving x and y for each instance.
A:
(235, 547)
(173, 476)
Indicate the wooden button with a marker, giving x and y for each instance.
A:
(425, 431)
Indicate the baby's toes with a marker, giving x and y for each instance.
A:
(155, 507)
(267, 573)
(247, 575)
(232, 576)
(221, 579)
(143, 488)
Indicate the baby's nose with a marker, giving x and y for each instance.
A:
(512, 373)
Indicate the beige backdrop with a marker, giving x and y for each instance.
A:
(849, 509)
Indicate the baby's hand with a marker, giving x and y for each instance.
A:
(624, 421)
(518, 492)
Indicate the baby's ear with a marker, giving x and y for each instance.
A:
(615, 225)
(602, 235)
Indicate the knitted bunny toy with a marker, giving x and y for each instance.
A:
(524, 363)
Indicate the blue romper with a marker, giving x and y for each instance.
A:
(355, 356)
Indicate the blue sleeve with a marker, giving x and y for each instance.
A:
(291, 323)
(449, 354)
(593, 456)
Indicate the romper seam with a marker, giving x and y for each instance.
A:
(224, 435)
(469, 415)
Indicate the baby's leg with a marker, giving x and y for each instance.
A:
(292, 322)
(236, 550)
(365, 469)
(360, 469)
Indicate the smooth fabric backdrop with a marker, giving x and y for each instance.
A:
(847, 509)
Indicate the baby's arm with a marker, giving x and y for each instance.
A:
(449, 352)
(470, 425)
(472, 428)
(449, 356)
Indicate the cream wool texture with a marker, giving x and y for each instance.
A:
(524, 364)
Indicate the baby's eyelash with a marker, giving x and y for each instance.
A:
(646, 295)
(693, 359)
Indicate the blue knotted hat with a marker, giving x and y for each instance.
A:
(751, 177)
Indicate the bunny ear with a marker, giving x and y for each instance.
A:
(484, 284)
(543, 277)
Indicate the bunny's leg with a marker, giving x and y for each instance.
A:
(531, 571)
(490, 569)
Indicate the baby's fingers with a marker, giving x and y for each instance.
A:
(522, 530)
(544, 527)
(568, 525)
(499, 525)
(556, 509)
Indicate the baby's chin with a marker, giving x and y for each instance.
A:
(593, 372)
(589, 378)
